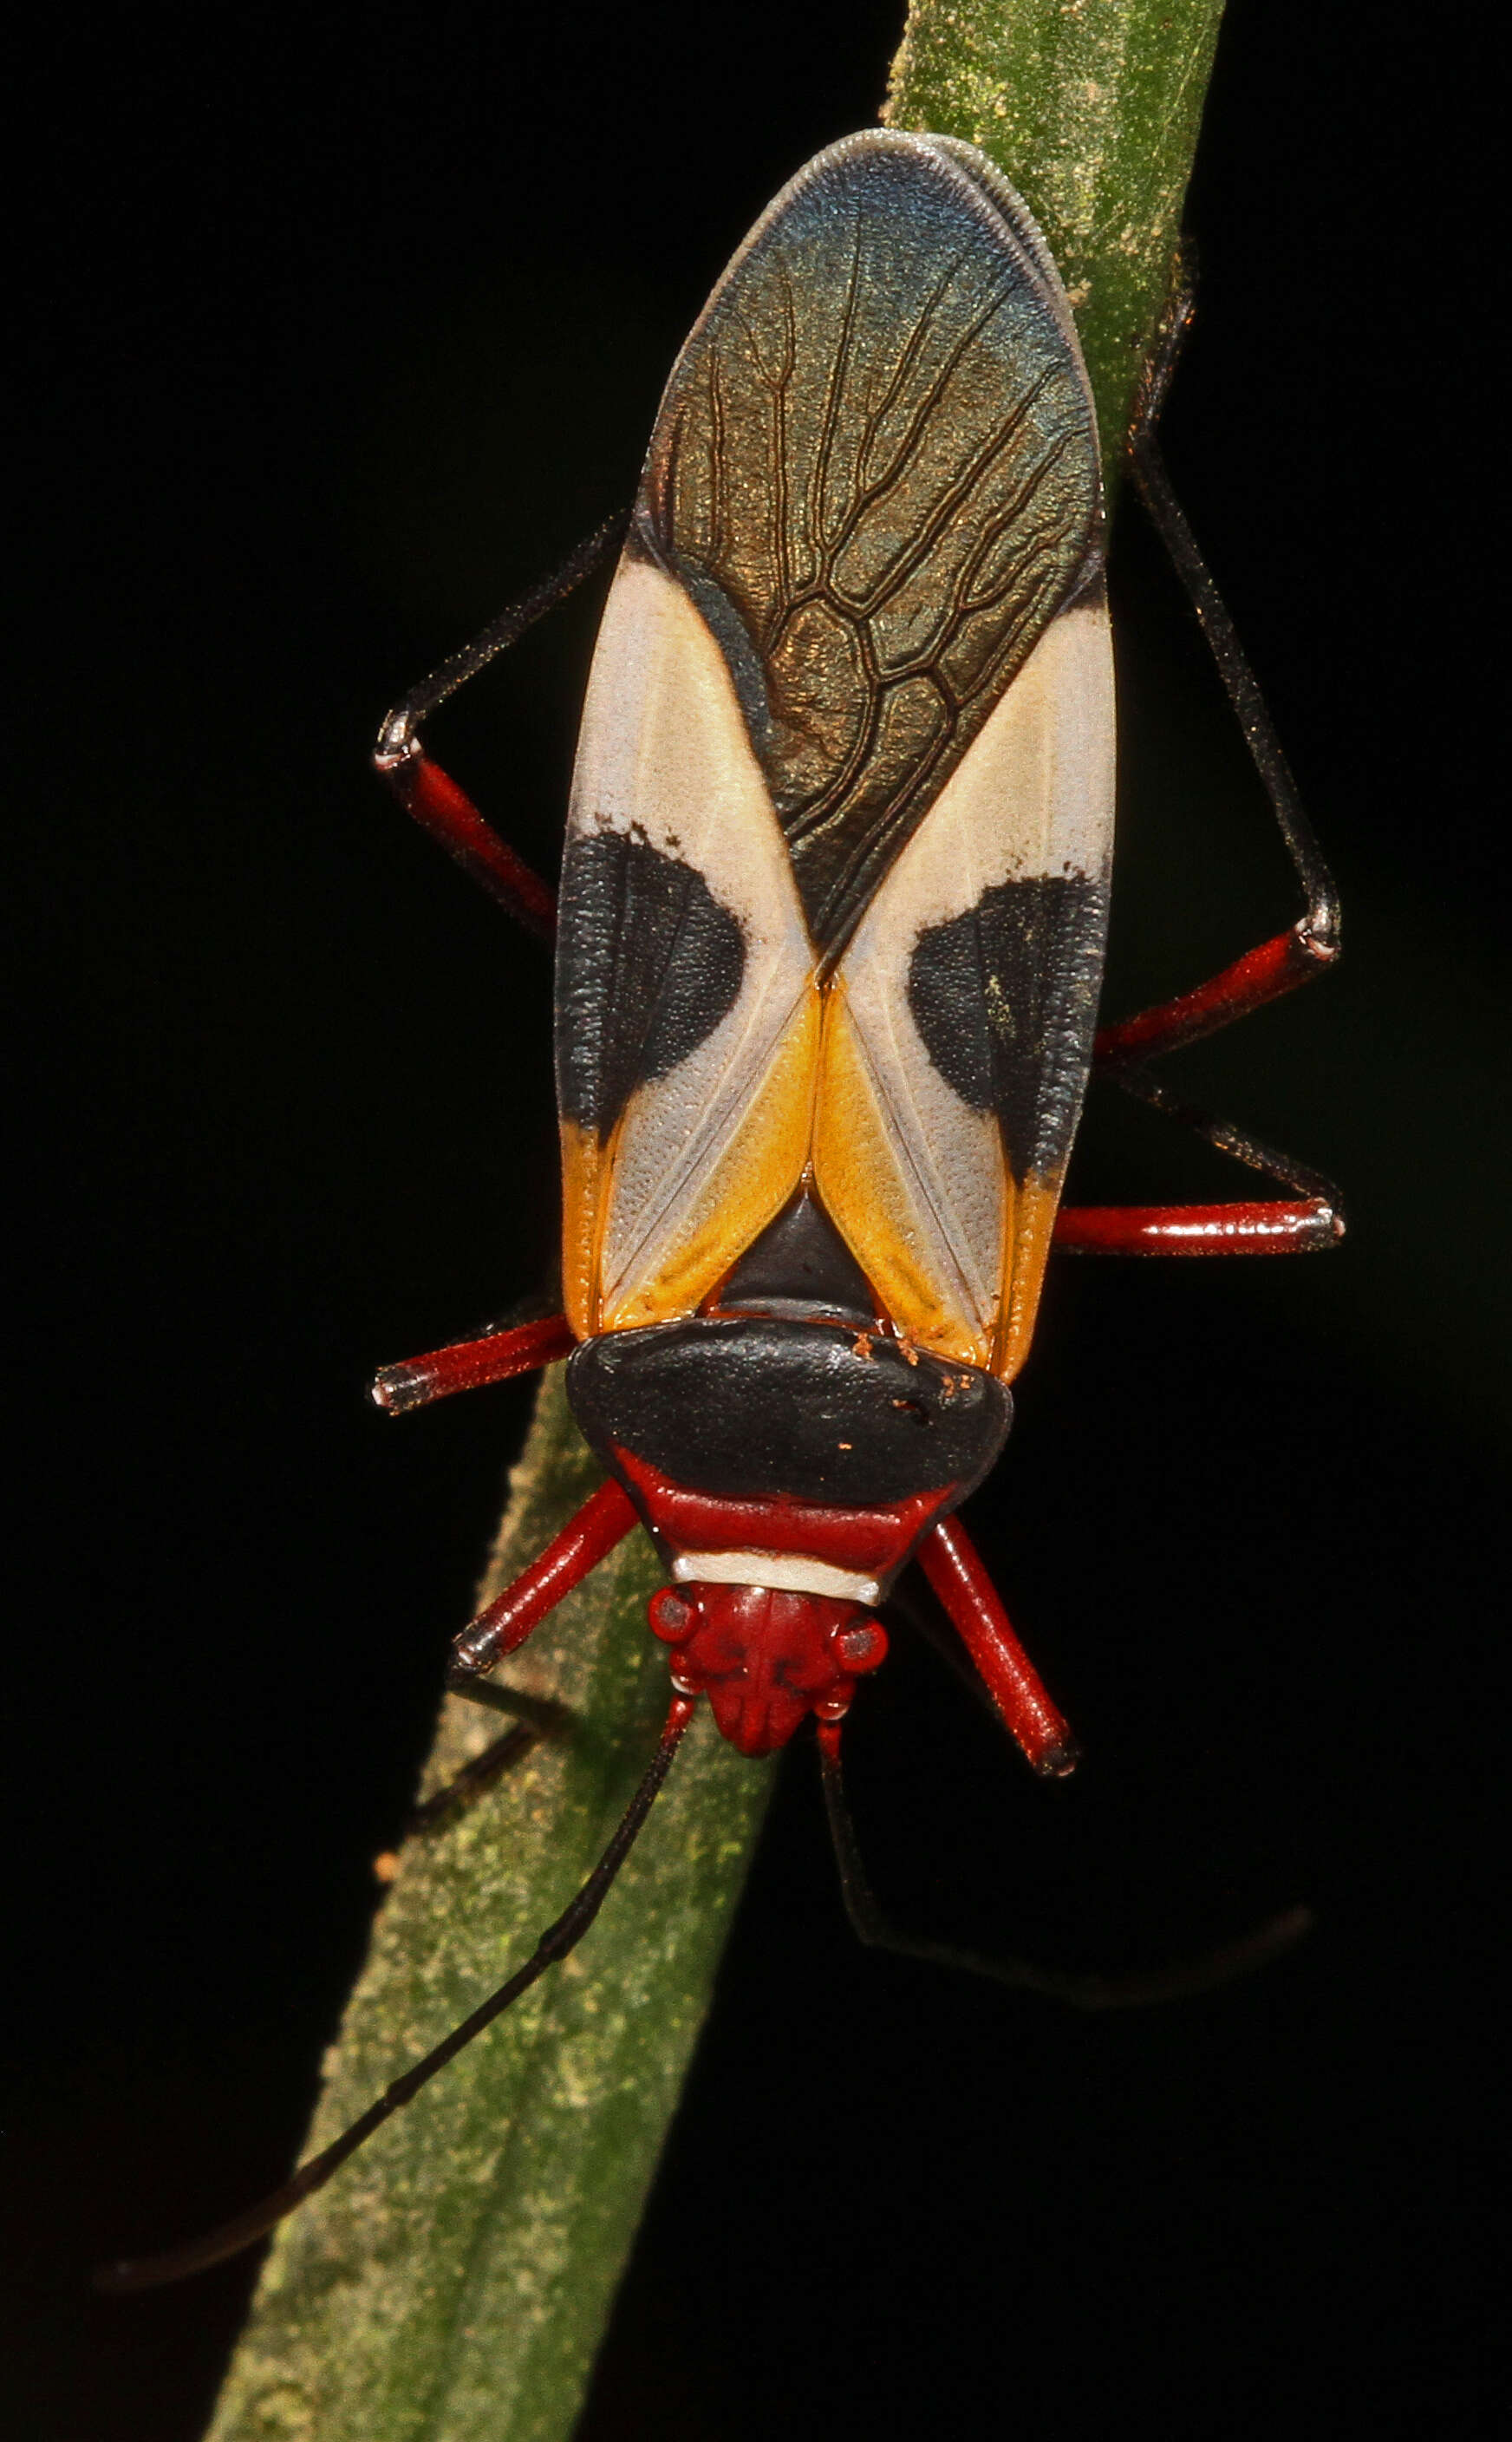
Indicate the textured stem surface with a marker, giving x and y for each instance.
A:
(1091, 107)
(453, 2280)
(452, 2283)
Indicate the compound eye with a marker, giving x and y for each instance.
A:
(671, 1618)
(861, 1647)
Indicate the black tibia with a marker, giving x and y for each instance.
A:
(1004, 1000)
(889, 368)
(648, 965)
(751, 1408)
(246, 2229)
(1225, 1138)
(1312, 946)
(544, 1715)
(801, 1270)
(1078, 1991)
(396, 738)
(533, 1718)
(1320, 922)
(476, 1777)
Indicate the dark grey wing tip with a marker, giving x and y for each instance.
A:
(876, 474)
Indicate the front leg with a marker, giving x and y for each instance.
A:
(531, 1718)
(605, 1519)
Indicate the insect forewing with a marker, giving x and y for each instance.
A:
(836, 872)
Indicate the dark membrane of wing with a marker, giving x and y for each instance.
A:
(876, 473)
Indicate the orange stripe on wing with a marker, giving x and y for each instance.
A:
(727, 1205)
(882, 1208)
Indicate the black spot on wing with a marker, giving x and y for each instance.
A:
(1004, 999)
(648, 963)
(876, 473)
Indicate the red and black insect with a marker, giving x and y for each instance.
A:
(828, 949)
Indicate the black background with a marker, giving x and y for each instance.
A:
(335, 336)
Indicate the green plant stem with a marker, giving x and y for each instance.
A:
(453, 2280)
(1091, 107)
(452, 2283)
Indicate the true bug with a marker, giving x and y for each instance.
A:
(832, 924)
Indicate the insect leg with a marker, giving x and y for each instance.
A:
(925, 1622)
(149, 2271)
(468, 1364)
(1293, 958)
(1267, 974)
(1316, 1220)
(532, 1719)
(1197, 1228)
(432, 798)
(950, 1560)
(458, 1794)
(543, 1716)
(605, 1519)
(1082, 1991)
(507, 1621)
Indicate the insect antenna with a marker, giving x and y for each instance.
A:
(1079, 1990)
(149, 2271)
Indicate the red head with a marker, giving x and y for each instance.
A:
(766, 1657)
